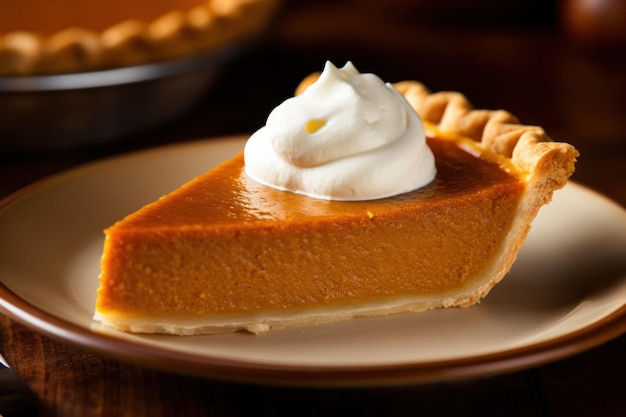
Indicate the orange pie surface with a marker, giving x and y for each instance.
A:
(49, 17)
(224, 252)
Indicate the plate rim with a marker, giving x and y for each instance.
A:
(193, 364)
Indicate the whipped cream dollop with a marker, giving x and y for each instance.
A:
(348, 136)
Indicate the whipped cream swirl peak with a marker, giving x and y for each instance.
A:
(348, 136)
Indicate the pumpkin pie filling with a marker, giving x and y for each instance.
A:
(274, 250)
(225, 252)
(48, 17)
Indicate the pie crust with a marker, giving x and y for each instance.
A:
(187, 28)
(525, 152)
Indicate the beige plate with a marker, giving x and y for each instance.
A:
(565, 294)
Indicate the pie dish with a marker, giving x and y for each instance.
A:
(221, 253)
(65, 36)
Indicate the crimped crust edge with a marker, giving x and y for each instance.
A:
(204, 28)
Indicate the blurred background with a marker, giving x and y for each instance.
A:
(560, 64)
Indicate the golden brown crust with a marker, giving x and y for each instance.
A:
(206, 27)
(545, 165)
(71, 50)
(20, 53)
(127, 43)
(528, 147)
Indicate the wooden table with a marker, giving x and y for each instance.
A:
(533, 72)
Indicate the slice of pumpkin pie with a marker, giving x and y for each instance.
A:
(358, 198)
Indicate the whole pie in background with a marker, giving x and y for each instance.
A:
(66, 36)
